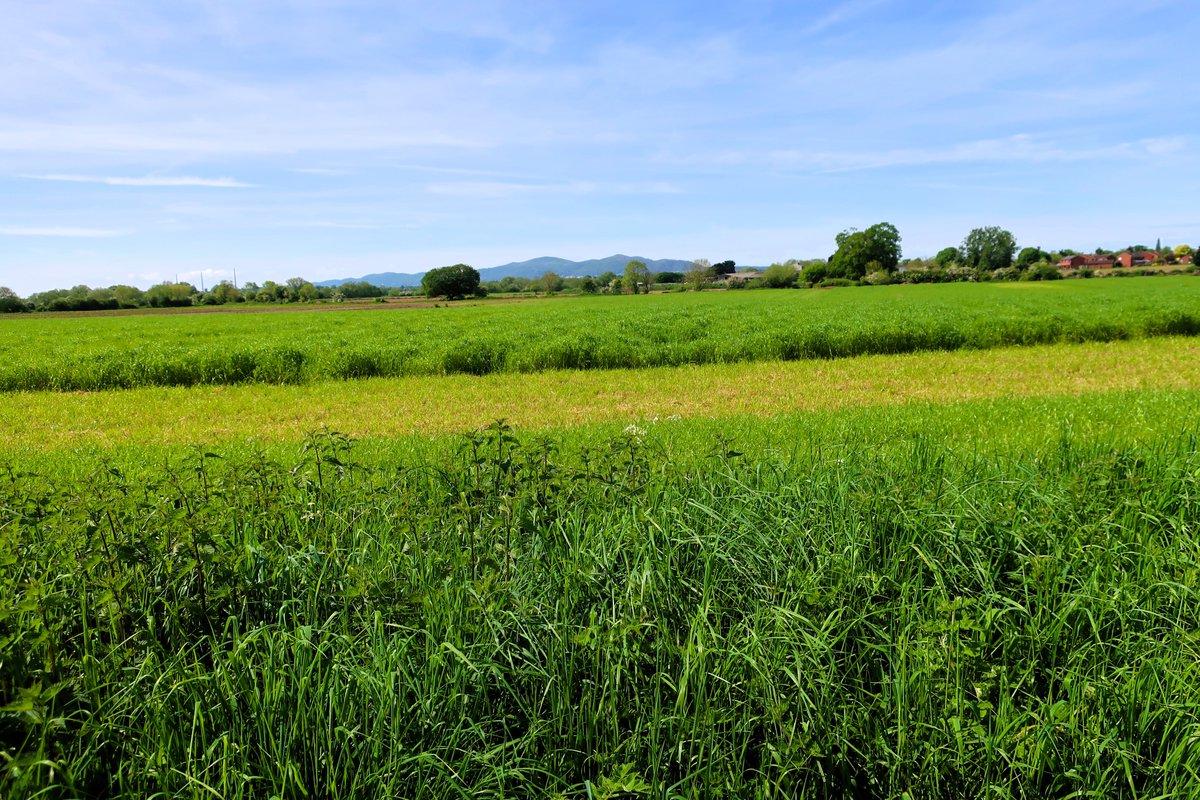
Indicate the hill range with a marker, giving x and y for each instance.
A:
(533, 268)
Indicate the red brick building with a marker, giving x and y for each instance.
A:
(1137, 259)
(1086, 262)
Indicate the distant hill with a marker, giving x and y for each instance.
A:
(533, 268)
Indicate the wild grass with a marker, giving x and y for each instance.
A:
(45, 353)
(555, 400)
(885, 603)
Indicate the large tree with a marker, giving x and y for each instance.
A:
(859, 252)
(637, 275)
(9, 301)
(988, 249)
(452, 282)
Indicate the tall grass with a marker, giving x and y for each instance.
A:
(582, 333)
(531, 616)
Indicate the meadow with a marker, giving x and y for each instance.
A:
(991, 598)
(627, 332)
(967, 572)
(558, 399)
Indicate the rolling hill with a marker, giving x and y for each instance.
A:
(533, 268)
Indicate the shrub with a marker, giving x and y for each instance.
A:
(780, 276)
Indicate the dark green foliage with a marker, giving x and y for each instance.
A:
(1041, 272)
(988, 249)
(520, 618)
(860, 252)
(948, 257)
(9, 301)
(358, 289)
(1030, 256)
(453, 282)
(724, 268)
(668, 277)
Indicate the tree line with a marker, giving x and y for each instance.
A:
(868, 257)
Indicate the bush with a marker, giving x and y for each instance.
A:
(780, 276)
(1041, 272)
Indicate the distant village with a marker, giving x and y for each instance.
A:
(1127, 258)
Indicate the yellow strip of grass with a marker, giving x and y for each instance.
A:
(437, 405)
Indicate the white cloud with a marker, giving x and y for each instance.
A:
(845, 12)
(148, 180)
(1018, 148)
(319, 171)
(509, 189)
(70, 233)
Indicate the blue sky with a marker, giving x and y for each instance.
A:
(140, 141)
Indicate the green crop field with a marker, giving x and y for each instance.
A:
(105, 352)
(878, 603)
(707, 573)
(557, 399)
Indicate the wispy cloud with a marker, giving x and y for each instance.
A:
(1018, 148)
(319, 171)
(147, 180)
(348, 226)
(841, 14)
(68, 233)
(510, 189)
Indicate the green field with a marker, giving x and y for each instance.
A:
(107, 352)
(901, 575)
(555, 400)
(876, 602)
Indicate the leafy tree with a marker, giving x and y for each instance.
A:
(452, 282)
(587, 285)
(1182, 250)
(271, 292)
(1030, 256)
(781, 276)
(724, 268)
(170, 294)
(606, 278)
(988, 249)
(510, 284)
(550, 282)
(699, 275)
(308, 292)
(9, 301)
(225, 292)
(860, 252)
(127, 296)
(815, 273)
(668, 277)
(358, 289)
(637, 275)
(947, 257)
